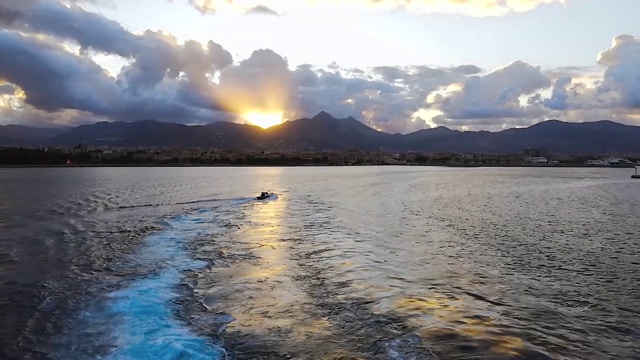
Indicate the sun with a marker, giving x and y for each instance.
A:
(264, 120)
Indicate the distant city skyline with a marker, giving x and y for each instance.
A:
(397, 66)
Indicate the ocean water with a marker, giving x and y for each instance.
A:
(345, 263)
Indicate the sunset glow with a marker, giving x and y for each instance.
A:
(264, 120)
(394, 69)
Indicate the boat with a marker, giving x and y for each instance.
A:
(265, 195)
(636, 175)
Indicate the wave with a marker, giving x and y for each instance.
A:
(234, 201)
(140, 316)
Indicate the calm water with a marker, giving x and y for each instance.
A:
(347, 263)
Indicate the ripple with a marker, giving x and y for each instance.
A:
(449, 264)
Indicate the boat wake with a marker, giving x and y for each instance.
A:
(192, 202)
(141, 317)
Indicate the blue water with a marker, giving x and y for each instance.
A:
(145, 309)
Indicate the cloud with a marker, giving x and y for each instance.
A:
(89, 30)
(623, 70)
(261, 10)
(51, 77)
(7, 89)
(48, 75)
(387, 100)
(261, 82)
(467, 69)
(559, 96)
(159, 55)
(10, 10)
(164, 79)
(616, 92)
(168, 80)
(55, 80)
(519, 94)
(27, 115)
(464, 7)
(493, 96)
(154, 54)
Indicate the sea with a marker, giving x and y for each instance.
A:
(354, 262)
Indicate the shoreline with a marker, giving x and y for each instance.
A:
(319, 165)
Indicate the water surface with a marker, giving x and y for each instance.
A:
(350, 262)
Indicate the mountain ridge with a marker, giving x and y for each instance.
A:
(15, 134)
(325, 132)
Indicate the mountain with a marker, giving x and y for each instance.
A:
(16, 135)
(553, 135)
(151, 133)
(590, 137)
(324, 132)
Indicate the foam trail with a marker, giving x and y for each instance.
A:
(146, 326)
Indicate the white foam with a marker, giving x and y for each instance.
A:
(147, 327)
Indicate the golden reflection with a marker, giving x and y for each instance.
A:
(266, 299)
(264, 238)
(508, 345)
(441, 315)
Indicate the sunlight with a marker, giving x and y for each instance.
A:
(264, 120)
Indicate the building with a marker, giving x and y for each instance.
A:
(534, 153)
(79, 149)
(536, 160)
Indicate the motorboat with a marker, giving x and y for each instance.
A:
(265, 195)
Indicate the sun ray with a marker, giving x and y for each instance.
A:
(264, 119)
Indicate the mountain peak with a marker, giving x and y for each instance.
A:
(323, 115)
(442, 128)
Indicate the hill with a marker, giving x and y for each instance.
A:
(20, 135)
(324, 132)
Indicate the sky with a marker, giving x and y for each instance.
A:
(396, 65)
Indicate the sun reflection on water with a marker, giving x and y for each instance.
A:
(444, 317)
(265, 300)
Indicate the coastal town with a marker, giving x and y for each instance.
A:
(82, 155)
